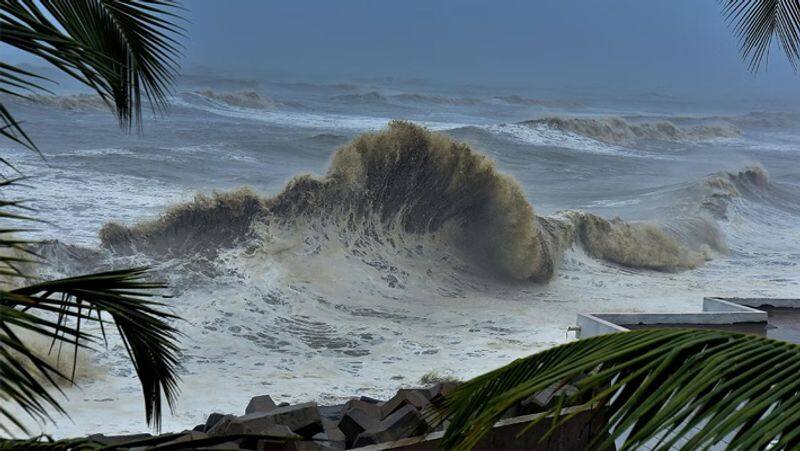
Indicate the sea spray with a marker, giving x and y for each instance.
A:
(408, 180)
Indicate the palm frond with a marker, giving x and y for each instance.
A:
(18, 384)
(125, 297)
(757, 22)
(125, 50)
(16, 254)
(688, 388)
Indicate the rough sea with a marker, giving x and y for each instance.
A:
(452, 243)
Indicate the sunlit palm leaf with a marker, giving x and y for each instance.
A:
(685, 387)
(757, 22)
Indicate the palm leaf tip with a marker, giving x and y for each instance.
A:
(666, 389)
(126, 50)
(124, 297)
(757, 22)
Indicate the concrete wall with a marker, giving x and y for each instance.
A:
(762, 302)
(592, 325)
(715, 312)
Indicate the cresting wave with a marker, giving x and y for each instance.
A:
(616, 130)
(73, 102)
(410, 181)
(243, 99)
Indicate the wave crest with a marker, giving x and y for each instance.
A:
(417, 183)
(74, 102)
(243, 99)
(634, 245)
(720, 188)
(616, 130)
(201, 226)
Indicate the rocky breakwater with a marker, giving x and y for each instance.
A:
(268, 425)
(361, 422)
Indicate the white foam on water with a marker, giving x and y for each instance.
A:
(306, 120)
(304, 319)
(542, 135)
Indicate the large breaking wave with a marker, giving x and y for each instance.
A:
(405, 182)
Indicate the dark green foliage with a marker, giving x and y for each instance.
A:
(688, 388)
(126, 51)
(757, 22)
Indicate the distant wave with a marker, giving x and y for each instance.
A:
(314, 87)
(372, 97)
(376, 98)
(765, 119)
(407, 185)
(616, 130)
(434, 99)
(243, 99)
(753, 119)
(519, 100)
(718, 190)
(78, 102)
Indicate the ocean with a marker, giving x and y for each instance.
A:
(309, 261)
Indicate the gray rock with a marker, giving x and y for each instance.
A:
(212, 420)
(217, 422)
(261, 403)
(403, 423)
(310, 446)
(417, 398)
(303, 418)
(225, 445)
(440, 390)
(253, 423)
(332, 436)
(187, 436)
(372, 409)
(538, 402)
(199, 428)
(333, 413)
(112, 440)
(355, 421)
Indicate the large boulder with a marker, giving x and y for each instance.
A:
(356, 419)
(212, 420)
(187, 436)
(303, 418)
(539, 402)
(254, 423)
(419, 398)
(373, 409)
(405, 422)
(333, 413)
(438, 391)
(263, 403)
(112, 440)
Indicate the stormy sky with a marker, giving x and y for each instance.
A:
(672, 47)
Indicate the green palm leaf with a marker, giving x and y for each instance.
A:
(688, 388)
(61, 308)
(757, 22)
(126, 50)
